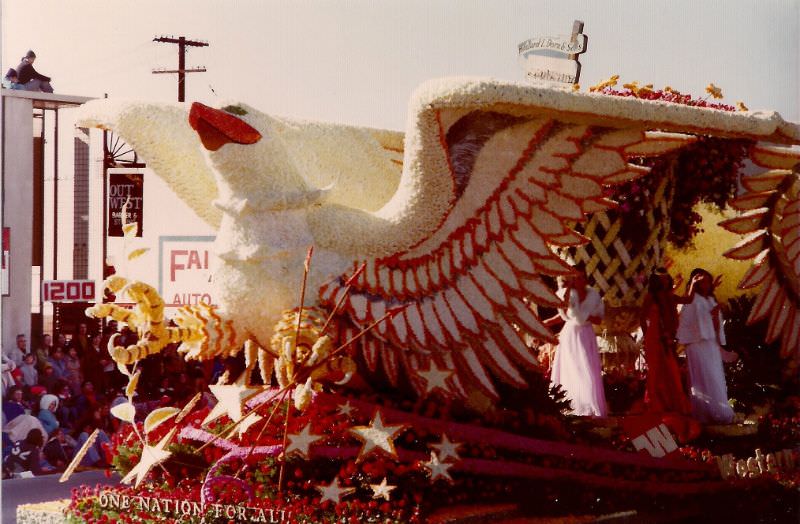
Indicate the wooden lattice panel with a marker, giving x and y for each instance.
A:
(613, 265)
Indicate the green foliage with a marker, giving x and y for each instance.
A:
(126, 458)
(756, 378)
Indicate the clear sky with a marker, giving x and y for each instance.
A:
(358, 61)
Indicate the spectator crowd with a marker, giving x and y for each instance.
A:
(56, 395)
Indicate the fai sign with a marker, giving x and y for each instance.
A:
(185, 268)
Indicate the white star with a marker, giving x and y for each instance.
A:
(151, 457)
(333, 492)
(249, 419)
(301, 441)
(447, 449)
(435, 378)
(377, 436)
(381, 490)
(230, 399)
(346, 409)
(437, 468)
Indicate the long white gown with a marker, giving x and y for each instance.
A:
(709, 393)
(576, 366)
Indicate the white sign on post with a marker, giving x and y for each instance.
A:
(554, 58)
(186, 264)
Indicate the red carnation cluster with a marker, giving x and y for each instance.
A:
(706, 171)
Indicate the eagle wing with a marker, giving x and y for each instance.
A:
(507, 184)
(770, 220)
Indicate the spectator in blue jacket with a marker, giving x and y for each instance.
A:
(47, 413)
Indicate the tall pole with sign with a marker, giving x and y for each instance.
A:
(554, 58)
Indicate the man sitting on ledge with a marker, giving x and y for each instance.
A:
(29, 77)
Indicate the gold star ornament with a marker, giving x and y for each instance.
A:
(376, 436)
(381, 490)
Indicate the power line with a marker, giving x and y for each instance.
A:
(182, 43)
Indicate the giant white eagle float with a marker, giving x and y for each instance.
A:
(455, 221)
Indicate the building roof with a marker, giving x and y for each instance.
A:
(46, 100)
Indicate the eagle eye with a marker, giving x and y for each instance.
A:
(236, 110)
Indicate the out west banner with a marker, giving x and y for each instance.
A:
(125, 185)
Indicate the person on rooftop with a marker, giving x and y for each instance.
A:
(31, 79)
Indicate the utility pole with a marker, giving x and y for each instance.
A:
(183, 43)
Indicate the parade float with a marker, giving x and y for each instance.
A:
(386, 293)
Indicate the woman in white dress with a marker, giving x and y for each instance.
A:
(576, 367)
(700, 330)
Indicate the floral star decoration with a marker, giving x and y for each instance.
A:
(346, 409)
(437, 468)
(447, 449)
(333, 491)
(230, 399)
(435, 378)
(301, 442)
(247, 421)
(377, 436)
(151, 457)
(382, 489)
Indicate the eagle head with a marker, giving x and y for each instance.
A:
(247, 151)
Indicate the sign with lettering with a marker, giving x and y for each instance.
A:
(182, 510)
(561, 43)
(185, 268)
(554, 58)
(553, 69)
(760, 464)
(125, 185)
(69, 290)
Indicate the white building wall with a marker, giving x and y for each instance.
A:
(165, 215)
(17, 214)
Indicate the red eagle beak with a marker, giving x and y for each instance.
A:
(217, 128)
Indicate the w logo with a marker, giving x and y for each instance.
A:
(657, 441)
